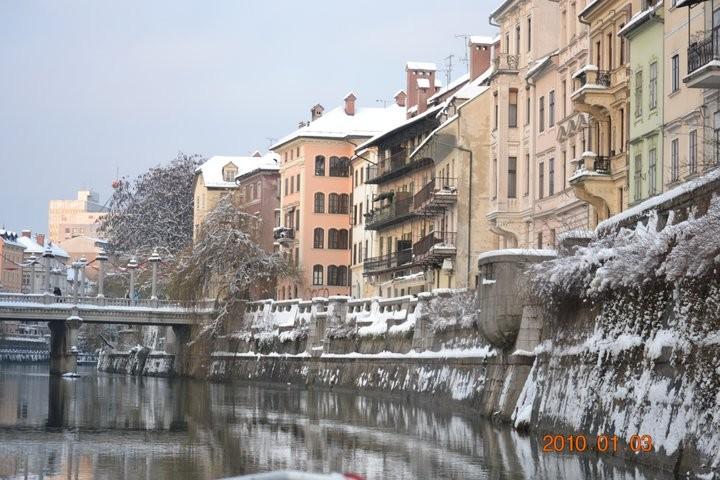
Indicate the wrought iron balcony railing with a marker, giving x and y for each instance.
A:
(284, 234)
(438, 191)
(424, 246)
(704, 51)
(590, 76)
(598, 164)
(398, 209)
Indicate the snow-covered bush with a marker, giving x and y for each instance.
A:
(459, 309)
(635, 258)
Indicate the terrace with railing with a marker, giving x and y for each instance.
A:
(399, 209)
(506, 62)
(434, 247)
(437, 195)
(388, 261)
(703, 67)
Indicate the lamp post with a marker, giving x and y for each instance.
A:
(83, 279)
(76, 271)
(47, 256)
(154, 260)
(101, 259)
(33, 260)
(132, 266)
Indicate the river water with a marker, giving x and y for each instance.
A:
(120, 427)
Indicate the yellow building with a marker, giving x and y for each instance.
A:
(73, 218)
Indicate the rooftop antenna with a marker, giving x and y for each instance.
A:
(466, 37)
(271, 140)
(384, 102)
(448, 68)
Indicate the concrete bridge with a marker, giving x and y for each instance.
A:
(65, 314)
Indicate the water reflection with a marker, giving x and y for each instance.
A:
(118, 427)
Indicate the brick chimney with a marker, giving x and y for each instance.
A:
(416, 71)
(26, 233)
(40, 239)
(400, 98)
(350, 103)
(316, 112)
(423, 93)
(480, 55)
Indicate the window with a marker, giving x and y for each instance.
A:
(339, 167)
(674, 161)
(297, 180)
(622, 46)
(638, 94)
(652, 168)
(675, 62)
(527, 107)
(512, 108)
(542, 114)
(539, 240)
(338, 203)
(333, 203)
(495, 178)
(653, 86)
(541, 180)
(517, 39)
(292, 184)
(337, 276)
(512, 177)
(529, 33)
(355, 217)
(527, 174)
(692, 154)
(318, 238)
(287, 190)
(551, 176)
(338, 239)
(564, 98)
(551, 108)
(320, 166)
(319, 202)
(507, 43)
(496, 113)
(638, 176)
(317, 275)
(610, 50)
(297, 219)
(229, 172)
(344, 203)
(354, 254)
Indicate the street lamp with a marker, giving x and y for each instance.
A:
(101, 258)
(76, 265)
(154, 260)
(132, 266)
(83, 263)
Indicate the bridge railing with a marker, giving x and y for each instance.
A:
(46, 299)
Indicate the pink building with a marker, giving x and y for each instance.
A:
(315, 191)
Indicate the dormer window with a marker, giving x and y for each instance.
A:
(229, 172)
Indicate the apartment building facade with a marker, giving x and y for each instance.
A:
(73, 218)
(11, 261)
(316, 184)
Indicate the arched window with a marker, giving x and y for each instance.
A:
(341, 277)
(320, 166)
(319, 202)
(342, 239)
(332, 273)
(317, 275)
(344, 203)
(318, 238)
(333, 203)
(332, 239)
(339, 167)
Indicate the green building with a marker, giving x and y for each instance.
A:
(645, 38)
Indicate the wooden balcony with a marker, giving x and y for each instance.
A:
(436, 196)
(398, 210)
(434, 247)
(388, 262)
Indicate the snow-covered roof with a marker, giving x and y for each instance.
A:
(457, 83)
(519, 252)
(481, 40)
(31, 246)
(398, 126)
(367, 122)
(421, 66)
(212, 169)
(10, 238)
(539, 64)
(640, 18)
(590, 6)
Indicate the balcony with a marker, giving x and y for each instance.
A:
(704, 62)
(595, 91)
(592, 164)
(433, 248)
(505, 62)
(387, 262)
(398, 210)
(593, 183)
(284, 235)
(436, 196)
(397, 165)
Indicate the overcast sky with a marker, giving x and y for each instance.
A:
(91, 87)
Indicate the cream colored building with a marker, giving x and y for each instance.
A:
(216, 177)
(363, 240)
(73, 218)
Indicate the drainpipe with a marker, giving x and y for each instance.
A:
(470, 185)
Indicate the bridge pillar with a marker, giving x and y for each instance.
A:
(176, 344)
(63, 341)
